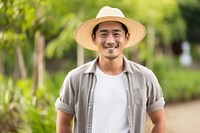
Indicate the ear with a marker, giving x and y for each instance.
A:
(127, 36)
(93, 38)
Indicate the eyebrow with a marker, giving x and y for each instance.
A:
(115, 30)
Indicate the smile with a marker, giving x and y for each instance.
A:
(111, 46)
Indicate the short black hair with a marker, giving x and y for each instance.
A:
(97, 26)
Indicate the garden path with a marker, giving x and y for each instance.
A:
(181, 117)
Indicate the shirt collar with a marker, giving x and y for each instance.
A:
(127, 67)
(92, 66)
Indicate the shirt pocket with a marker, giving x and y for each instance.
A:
(139, 96)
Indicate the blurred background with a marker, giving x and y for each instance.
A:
(37, 50)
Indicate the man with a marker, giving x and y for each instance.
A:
(110, 94)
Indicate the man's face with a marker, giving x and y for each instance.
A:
(110, 39)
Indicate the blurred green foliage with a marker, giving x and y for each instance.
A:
(178, 83)
(23, 113)
(9, 105)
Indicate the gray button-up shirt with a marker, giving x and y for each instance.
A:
(144, 94)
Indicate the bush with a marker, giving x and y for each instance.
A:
(9, 106)
(22, 112)
(178, 84)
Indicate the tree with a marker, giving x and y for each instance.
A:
(13, 31)
(163, 22)
(190, 10)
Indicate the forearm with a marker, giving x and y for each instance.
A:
(158, 120)
(63, 124)
(63, 129)
(158, 128)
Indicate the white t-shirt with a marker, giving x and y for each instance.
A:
(110, 104)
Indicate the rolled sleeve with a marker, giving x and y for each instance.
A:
(65, 102)
(60, 105)
(156, 105)
(155, 95)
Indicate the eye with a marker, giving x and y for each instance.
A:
(117, 34)
(103, 34)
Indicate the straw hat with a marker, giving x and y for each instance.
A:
(83, 34)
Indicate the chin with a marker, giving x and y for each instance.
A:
(112, 57)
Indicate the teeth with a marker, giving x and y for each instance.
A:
(110, 47)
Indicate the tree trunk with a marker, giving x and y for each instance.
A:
(2, 61)
(150, 46)
(39, 65)
(80, 55)
(20, 62)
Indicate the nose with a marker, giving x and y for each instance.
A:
(110, 39)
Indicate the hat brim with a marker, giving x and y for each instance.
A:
(83, 34)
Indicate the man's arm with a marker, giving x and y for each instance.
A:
(63, 124)
(158, 120)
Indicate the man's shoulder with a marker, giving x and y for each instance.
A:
(141, 70)
(81, 69)
(138, 67)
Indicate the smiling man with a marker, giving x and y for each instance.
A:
(110, 94)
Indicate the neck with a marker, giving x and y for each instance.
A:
(111, 67)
